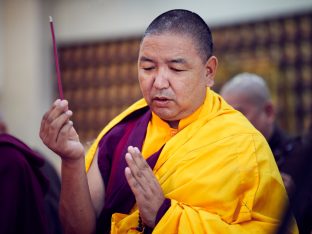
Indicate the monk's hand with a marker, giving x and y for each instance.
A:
(143, 183)
(57, 132)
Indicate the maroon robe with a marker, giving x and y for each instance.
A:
(22, 187)
(112, 149)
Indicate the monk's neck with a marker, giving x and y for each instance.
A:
(174, 124)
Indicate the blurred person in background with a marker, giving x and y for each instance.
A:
(249, 94)
(301, 196)
(30, 189)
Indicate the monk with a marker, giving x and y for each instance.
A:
(180, 160)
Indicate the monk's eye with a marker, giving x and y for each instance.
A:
(148, 68)
(177, 69)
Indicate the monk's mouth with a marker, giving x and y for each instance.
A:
(161, 101)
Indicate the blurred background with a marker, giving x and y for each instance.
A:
(98, 42)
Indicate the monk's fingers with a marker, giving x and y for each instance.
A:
(136, 171)
(44, 120)
(135, 186)
(58, 123)
(53, 129)
(143, 167)
(144, 176)
(53, 106)
(138, 164)
(143, 202)
(142, 194)
(58, 108)
(148, 202)
(65, 133)
(139, 160)
(152, 187)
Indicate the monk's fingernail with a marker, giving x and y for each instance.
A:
(56, 102)
(64, 103)
(137, 149)
(128, 156)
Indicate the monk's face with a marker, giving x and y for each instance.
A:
(173, 78)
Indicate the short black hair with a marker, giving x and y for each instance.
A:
(181, 21)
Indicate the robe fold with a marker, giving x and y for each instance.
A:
(218, 172)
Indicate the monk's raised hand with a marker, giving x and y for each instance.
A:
(143, 183)
(57, 132)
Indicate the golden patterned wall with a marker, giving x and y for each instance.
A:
(100, 78)
(278, 49)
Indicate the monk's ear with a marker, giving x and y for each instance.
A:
(270, 111)
(211, 69)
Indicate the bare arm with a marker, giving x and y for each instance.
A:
(77, 212)
(96, 185)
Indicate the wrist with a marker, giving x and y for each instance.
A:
(162, 210)
(73, 162)
(148, 228)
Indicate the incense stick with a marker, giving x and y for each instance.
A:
(57, 66)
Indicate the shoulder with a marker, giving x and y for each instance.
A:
(10, 155)
(15, 154)
(230, 124)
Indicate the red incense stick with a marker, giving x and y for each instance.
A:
(57, 66)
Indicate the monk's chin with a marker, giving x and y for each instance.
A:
(164, 113)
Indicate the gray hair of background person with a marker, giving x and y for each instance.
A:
(251, 85)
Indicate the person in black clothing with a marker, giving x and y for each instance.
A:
(300, 196)
(283, 147)
(249, 94)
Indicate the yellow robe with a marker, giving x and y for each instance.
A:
(219, 173)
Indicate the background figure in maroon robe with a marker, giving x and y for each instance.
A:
(29, 189)
(22, 187)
